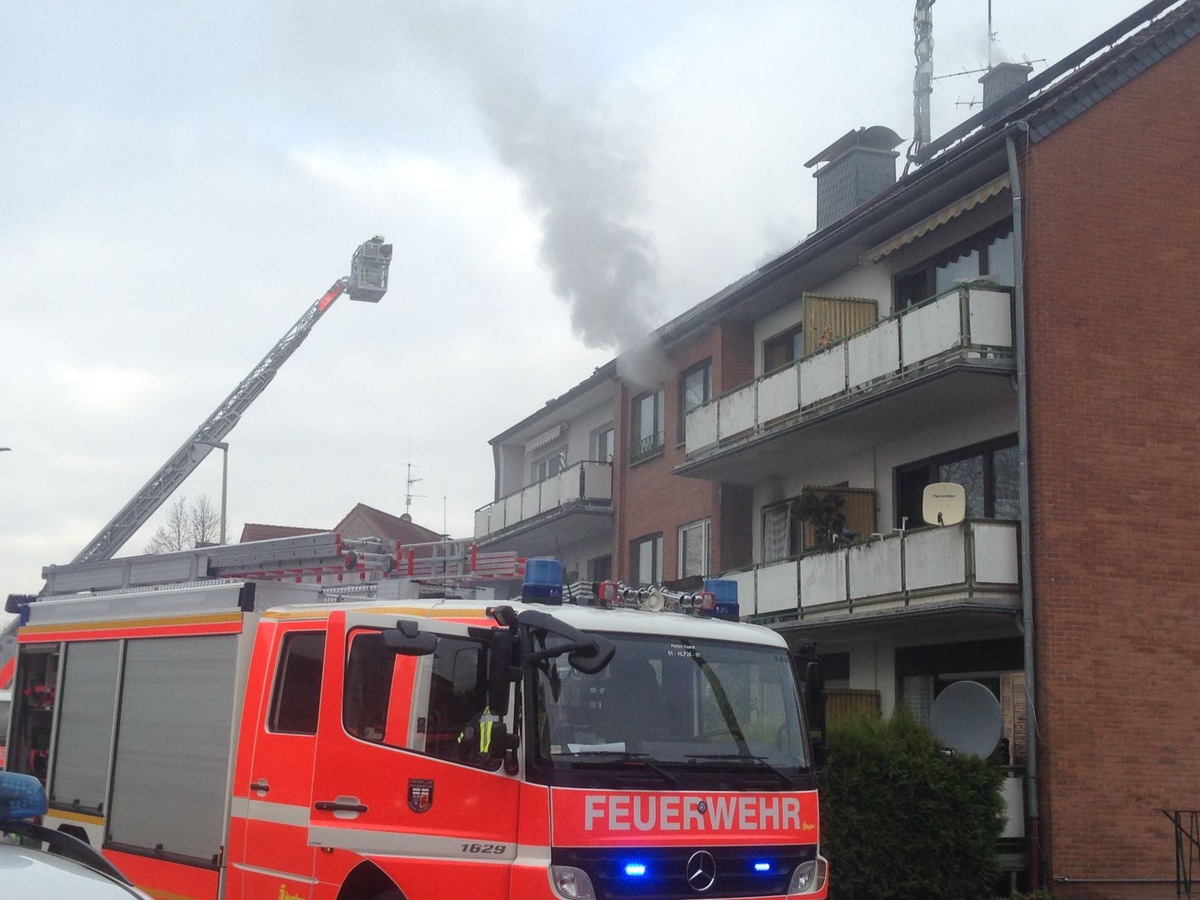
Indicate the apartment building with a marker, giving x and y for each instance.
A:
(1014, 314)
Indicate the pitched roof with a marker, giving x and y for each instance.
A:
(1081, 79)
(361, 522)
(255, 532)
(365, 521)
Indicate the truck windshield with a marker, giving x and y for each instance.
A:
(672, 708)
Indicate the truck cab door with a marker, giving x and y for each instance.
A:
(269, 854)
(403, 776)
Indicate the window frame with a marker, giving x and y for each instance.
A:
(907, 505)
(602, 444)
(285, 687)
(655, 544)
(703, 368)
(547, 465)
(789, 342)
(705, 528)
(396, 735)
(642, 446)
(927, 269)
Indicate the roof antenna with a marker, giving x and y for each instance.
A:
(923, 80)
(409, 481)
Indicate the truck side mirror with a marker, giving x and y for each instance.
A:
(814, 695)
(501, 674)
(592, 659)
(407, 639)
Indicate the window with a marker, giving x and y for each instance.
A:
(693, 548)
(987, 253)
(987, 472)
(646, 563)
(547, 466)
(457, 695)
(600, 568)
(85, 730)
(783, 349)
(296, 698)
(602, 444)
(695, 389)
(647, 424)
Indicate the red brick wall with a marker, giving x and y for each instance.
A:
(734, 366)
(648, 498)
(1113, 312)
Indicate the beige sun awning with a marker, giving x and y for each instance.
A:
(941, 217)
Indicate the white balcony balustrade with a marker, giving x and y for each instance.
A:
(972, 560)
(583, 483)
(969, 322)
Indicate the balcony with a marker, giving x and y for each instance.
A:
(973, 564)
(572, 505)
(938, 359)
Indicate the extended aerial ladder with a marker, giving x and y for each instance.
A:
(367, 281)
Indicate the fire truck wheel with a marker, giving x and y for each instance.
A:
(389, 895)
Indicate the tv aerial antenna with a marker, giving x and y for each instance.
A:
(409, 481)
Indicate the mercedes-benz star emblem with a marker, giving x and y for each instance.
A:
(701, 871)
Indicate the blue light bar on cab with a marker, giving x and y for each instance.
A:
(635, 869)
(543, 582)
(726, 592)
(21, 797)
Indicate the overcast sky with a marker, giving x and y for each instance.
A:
(180, 181)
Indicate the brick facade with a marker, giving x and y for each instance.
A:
(651, 501)
(1113, 327)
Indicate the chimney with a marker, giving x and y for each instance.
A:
(858, 166)
(1001, 80)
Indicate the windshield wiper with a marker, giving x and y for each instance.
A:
(640, 759)
(759, 761)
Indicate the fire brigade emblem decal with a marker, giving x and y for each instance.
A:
(701, 871)
(420, 794)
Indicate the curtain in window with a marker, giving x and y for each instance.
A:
(776, 533)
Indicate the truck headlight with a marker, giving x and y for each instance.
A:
(809, 877)
(571, 883)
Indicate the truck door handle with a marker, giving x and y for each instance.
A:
(261, 786)
(341, 804)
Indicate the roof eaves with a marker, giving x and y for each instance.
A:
(1111, 72)
(601, 374)
(1069, 72)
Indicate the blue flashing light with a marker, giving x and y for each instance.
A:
(726, 592)
(635, 869)
(543, 581)
(762, 867)
(21, 797)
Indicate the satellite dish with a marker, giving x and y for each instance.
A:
(654, 602)
(966, 717)
(944, 503)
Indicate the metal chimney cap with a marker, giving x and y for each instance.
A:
(873, 137)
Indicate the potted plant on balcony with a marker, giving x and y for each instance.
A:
(821, 519)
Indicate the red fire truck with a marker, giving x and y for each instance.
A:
(255, 737)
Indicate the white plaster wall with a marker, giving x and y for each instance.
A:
(575, 556)
(579, 439)
(870, 282)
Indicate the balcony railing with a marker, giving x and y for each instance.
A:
(583, 483)
(646, 446)
(976, 557)
(967, 322)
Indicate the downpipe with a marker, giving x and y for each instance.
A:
(1032, 809)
